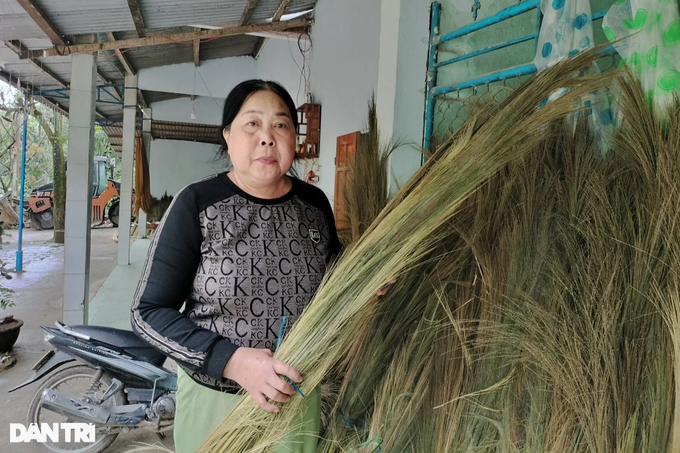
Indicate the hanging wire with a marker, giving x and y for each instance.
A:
(206, 88)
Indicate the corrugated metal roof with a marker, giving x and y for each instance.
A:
(37, 43)
(192, 132)
(76, 17)
(25, 69)
(161, 17)
(111, 69)
(266, 10)
(115, 134)
(149, 57)
(231, 46)
(61, 69)
(168, 130)
(15, 23)
(158, 96)
(296, 6)
(164, 13)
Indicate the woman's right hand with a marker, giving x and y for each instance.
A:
(259, 373)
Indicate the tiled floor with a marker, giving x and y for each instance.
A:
(111, 305)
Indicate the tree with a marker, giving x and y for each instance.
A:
(57, 141)
(46, 152)
(102, 147)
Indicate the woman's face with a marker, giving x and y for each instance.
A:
(261, 141)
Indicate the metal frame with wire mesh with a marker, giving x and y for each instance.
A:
(448, 106)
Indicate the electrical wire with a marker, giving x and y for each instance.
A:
(207, 89)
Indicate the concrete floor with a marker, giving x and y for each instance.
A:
(38, 301)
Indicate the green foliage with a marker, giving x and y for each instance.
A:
(102, 147)
(4, 302)
(40, 137)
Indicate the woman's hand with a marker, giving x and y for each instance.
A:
(259, 373)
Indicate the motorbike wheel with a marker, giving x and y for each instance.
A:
(76, 382)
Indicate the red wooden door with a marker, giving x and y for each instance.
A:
(344, 157)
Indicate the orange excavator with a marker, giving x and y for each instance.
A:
(104, 190)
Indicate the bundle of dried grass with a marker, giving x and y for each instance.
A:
(366, 192)
(418, 241)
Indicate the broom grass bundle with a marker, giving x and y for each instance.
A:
(366, 191)
(407, 241)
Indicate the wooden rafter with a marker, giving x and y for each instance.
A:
(258, 47)
(179, 37)
(136, 11)
(279, 12)
(141, 101)
(42, 21)
(197, 50)
(121, 57)
(248, 11)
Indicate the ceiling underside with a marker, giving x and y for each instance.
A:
(38, 36)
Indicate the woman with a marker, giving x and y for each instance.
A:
(242, 250)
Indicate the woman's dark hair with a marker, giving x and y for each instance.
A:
(238, 96)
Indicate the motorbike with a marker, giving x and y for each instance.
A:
(107, 377)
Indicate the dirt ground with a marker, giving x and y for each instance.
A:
(38, 301)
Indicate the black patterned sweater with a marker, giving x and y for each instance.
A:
(239, 263)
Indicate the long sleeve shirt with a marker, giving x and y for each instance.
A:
(238, 264)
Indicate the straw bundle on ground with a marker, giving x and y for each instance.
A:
(420, 365)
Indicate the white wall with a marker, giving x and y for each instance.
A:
(212, 78)
(409, 109)
(280, 60)
(344, 72)
(175, 164)
(208, 110)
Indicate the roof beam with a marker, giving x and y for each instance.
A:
(197, 50)
(19, 49)
(136, 11)
(141, 101)
(7, 77)
(41, 20)
(248, 11)
(122, 58)
(279, 12)
(108, 82)
(258, 47)
(181, 37)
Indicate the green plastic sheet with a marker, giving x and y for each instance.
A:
(649, 43)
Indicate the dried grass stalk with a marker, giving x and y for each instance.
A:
(406, 238)
(366, 192)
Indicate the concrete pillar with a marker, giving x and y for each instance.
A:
(79, 190)
(146, 137)
(390, 12)
(402, 67)
(126, 183)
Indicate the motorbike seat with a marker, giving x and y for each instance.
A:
(123, 339)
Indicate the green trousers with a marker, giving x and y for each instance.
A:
(200, 411)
